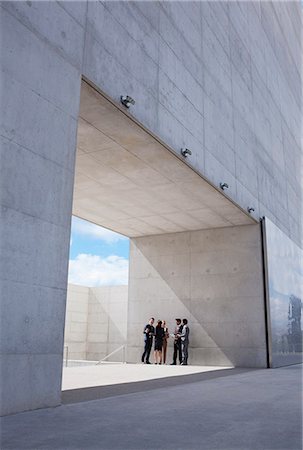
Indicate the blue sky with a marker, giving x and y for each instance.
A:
(98, 256)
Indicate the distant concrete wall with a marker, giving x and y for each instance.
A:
(211, 277)
(107, 321)
(96, 321)
(76, 321)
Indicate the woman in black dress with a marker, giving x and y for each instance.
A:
(166, 336)
(159, 335)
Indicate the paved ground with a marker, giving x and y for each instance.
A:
(110, 373)
(244, 410)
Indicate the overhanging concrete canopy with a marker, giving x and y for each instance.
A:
(127, 181)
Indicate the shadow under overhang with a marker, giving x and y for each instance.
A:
(128, 181)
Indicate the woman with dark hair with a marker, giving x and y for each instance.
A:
(166, 336)
(159, 335)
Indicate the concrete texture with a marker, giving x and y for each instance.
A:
(214, 279)
(96, 321)
(253, 410)
(129, 182)
(222, 78)
(40, 93)
(76, 322)
(95, 392)
(107, 322)
(111, 374)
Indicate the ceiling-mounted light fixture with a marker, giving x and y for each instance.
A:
(185, 152)
(224, 186)
(126, 100)
(250, 209)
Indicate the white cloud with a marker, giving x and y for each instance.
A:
(93, 270)
(85, 228)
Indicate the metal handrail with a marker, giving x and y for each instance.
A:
(112, 353)
(66, 358)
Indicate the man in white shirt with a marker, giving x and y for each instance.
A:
(184, 342)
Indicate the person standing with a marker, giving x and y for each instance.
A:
(148, 332)
(159, 335)
(184, 342)
(177, 343)
(166, 336)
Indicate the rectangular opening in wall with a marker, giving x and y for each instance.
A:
(193, 255)
(96, 316)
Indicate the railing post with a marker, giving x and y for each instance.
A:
(66, 355)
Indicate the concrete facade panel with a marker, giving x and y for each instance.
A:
(75, 9)
(26, 387)
(33, 196)
(24, 315)
(41, 55)
(96, 321)
(64, 34)
(22, 57)
(21, 234)
(16, 124)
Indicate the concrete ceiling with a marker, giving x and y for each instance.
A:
(130, 183)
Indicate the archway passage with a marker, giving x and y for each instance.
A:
(193, 252)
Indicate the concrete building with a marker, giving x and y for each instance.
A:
(222, 79)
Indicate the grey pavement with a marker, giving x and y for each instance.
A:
(245, 410)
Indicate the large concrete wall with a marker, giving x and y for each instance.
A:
(41, 58)
(96, 321)
(107, 321)
(76, 321)
(214, 278)
(222, 78)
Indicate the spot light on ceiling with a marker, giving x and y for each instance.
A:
(185, 152)
(224, 186)
(126, 100)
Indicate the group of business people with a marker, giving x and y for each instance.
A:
(161, 334)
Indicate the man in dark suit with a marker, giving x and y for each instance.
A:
(184, 335)
(148, 332)
(177, 343)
